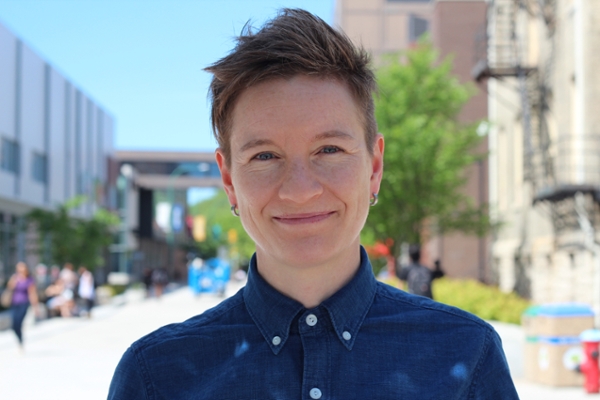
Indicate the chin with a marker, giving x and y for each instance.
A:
(310, 251)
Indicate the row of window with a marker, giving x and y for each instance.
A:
(10, 160)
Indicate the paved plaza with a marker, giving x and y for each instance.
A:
(75, 358)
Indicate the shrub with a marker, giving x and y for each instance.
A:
(487, 302)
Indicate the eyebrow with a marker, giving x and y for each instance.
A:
(333, 135)
(325, 135)
(255, 143)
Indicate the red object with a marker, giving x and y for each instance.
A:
(590, 367)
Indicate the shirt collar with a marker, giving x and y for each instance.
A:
(273, 313)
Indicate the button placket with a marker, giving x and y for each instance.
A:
(317, 335)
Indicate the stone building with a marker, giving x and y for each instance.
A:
(544, 92)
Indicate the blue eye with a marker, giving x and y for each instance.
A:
(264, 156)
(330, 149)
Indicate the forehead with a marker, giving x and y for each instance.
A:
(300, 102)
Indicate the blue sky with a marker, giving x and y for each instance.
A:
(142, 60)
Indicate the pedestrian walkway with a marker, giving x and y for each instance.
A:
(75, 358)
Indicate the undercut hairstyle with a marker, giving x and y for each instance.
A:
(293, 43)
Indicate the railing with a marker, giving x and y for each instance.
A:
(578, 160)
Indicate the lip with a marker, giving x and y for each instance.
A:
(304, 218)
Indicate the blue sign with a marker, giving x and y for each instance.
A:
(177, 218)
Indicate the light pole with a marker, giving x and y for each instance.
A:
(123, 185)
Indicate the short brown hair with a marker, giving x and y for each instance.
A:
(295, 42)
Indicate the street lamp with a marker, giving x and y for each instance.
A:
(123, 185)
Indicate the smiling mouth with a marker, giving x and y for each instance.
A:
(309, 218)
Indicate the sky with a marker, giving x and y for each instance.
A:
(142, 60)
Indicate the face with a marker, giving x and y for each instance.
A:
(21, 269)
(300, 171)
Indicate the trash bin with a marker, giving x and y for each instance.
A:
(553, 347)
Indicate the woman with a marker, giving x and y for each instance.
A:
(24, 294)
(301, 162)
(86, 290)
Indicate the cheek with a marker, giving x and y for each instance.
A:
(351, 179)
(252, 189)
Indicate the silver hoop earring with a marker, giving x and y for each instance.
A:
(374, 199)
(235, 211)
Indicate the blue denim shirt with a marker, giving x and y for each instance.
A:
(367, 341)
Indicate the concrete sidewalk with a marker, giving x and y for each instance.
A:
(75, 358)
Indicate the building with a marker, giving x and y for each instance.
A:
(384, 26)
(158, 225)
(55, 143)
(545, 146)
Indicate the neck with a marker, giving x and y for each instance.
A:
(309, 284)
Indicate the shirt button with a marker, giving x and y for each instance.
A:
(315, 393)
(346, 335)
(276, 340)
(311, 320)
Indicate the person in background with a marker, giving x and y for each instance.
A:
(418, 276)
(60, 301)
(86, 291)
(24, 294)
(160, 279)
(68, 277)
(54, 274)
(147, 278)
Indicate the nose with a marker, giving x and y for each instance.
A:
(300, 183)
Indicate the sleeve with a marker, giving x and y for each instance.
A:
(128, 381)
(492, 378)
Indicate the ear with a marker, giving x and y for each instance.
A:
(377, 163)
(226, 176)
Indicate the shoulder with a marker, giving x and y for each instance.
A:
(425, 310)
(204, 325)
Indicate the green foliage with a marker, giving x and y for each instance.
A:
(426, 150)
(487, 302)
(117, 289)
(219, 221)
(70, 239)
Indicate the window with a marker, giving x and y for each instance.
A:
(40, 168)
(416, 27)
(10, 156)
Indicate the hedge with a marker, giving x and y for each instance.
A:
(487, 302)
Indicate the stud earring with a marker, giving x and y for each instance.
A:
(235, 211)
(374, 199)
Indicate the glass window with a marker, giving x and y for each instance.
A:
(10, 156)
(416, 27)
(40, 168)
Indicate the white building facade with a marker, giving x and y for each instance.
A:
(544, 92)
(55, 143)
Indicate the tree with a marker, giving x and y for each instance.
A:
(63, 238)
(219, 222)
(426, 152)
